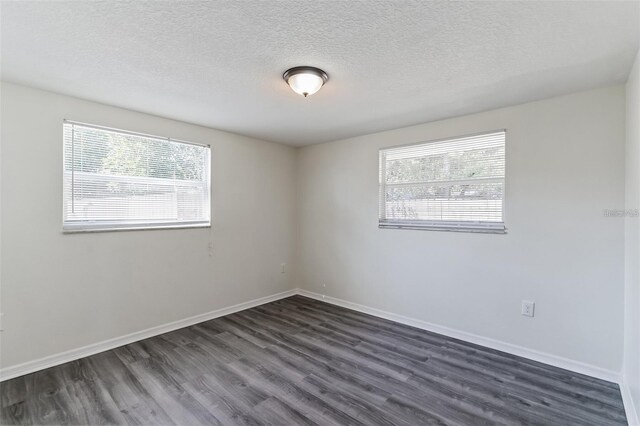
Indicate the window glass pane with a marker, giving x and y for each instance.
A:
(457, 183)
(454, 202)
(115, 179)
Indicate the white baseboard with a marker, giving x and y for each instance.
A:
(94, 348)
(633, 415)
(554, 360)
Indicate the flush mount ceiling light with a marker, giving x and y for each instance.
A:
(305, 81)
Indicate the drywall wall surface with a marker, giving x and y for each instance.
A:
(565, 166)
(64, 291)
(631, 370)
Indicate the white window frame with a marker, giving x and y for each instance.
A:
(106, 226)
(439, 225)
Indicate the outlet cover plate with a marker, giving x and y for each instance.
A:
(528, 308)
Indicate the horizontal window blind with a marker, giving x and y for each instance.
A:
(451, 184)
(115, 179)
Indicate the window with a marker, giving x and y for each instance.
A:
(454, 184)
(116, 180)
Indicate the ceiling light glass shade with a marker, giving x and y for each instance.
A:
(305, 81)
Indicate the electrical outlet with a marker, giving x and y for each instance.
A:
(283, 267)
(528, 308)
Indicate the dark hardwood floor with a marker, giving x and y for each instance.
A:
(298, 361)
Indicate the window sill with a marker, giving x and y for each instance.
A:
(435, 227)
(79, 229)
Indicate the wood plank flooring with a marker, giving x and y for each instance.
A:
(298, 361)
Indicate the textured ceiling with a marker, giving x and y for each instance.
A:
(391, 63)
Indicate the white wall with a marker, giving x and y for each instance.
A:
(565, 164)
(62, 291)
(631, 369)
